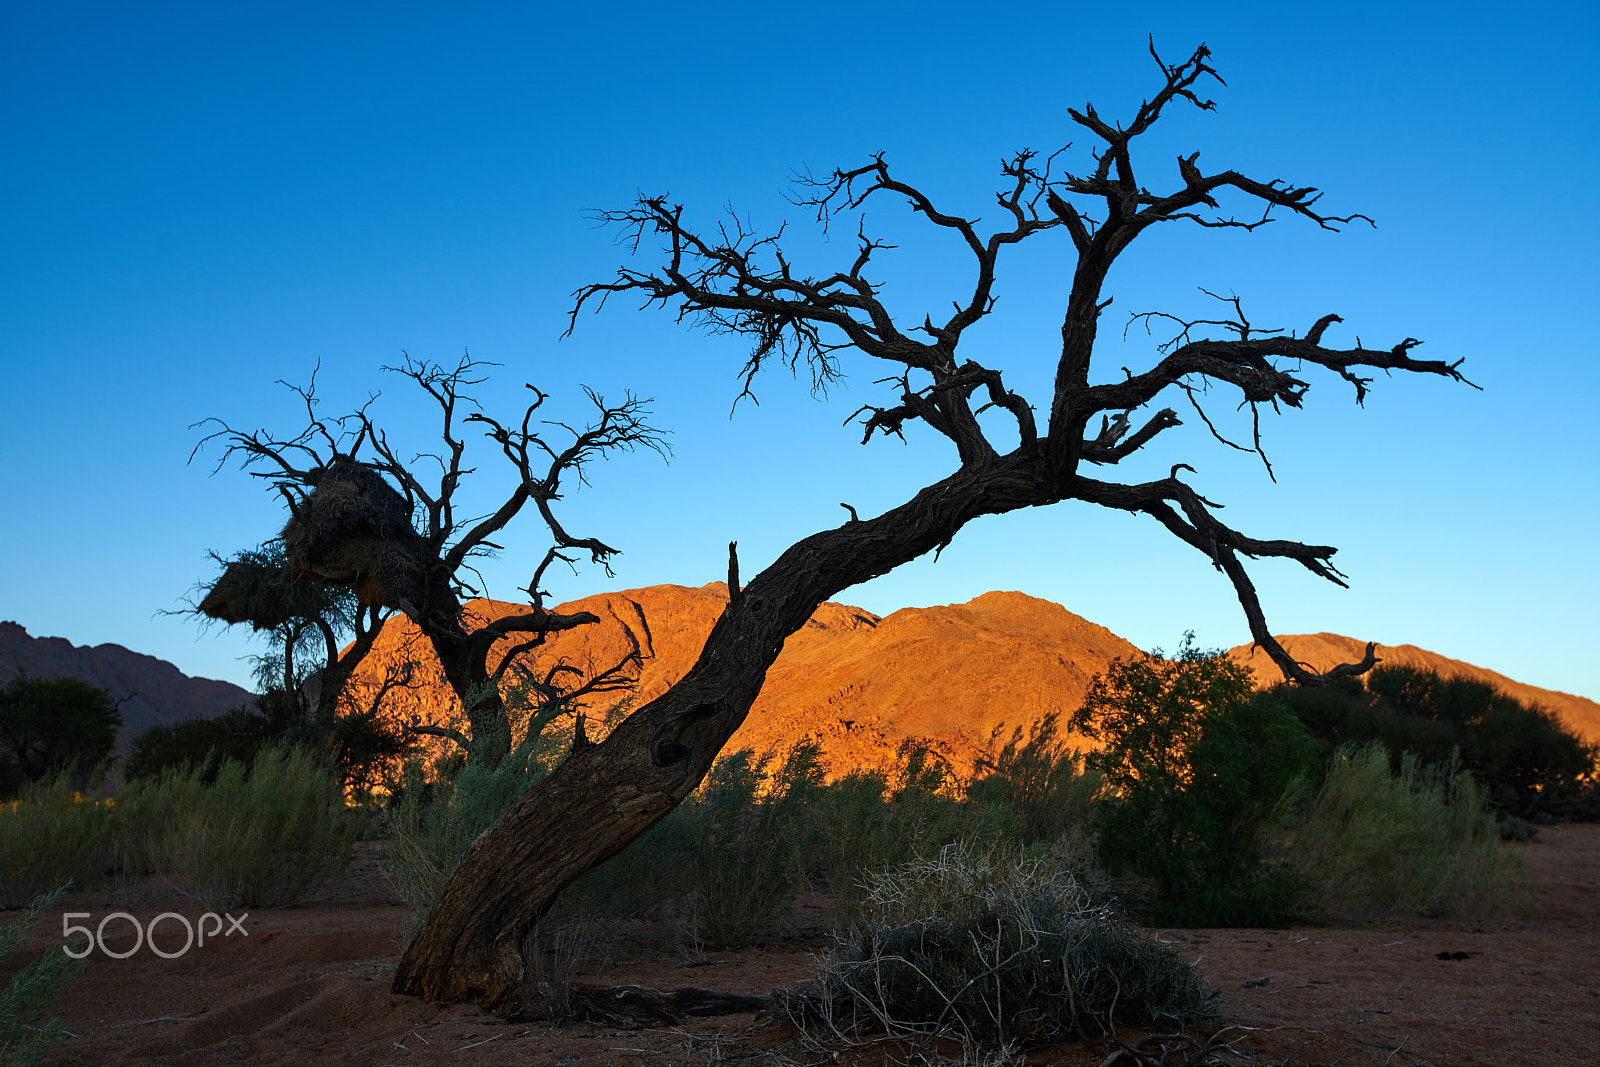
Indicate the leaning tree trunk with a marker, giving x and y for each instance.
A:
(604, 796)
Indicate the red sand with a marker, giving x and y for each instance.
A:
(312, 983)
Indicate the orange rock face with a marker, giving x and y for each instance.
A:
(857, 683)
(861, 685)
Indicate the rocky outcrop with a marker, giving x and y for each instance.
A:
(861, 685)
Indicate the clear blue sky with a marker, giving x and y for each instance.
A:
(199, 199)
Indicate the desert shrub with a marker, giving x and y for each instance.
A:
(873, 819)
(1375, 843)
(265, 835)
(52, 834)
(1197, 762)
(145, 809)
(993, 950)
(854, 829)
(749, 829)
(238, 735)
(554, 954)
(1044, 784)
(433, 821)
(1525, 760)
(26, 1030)
(256, 836)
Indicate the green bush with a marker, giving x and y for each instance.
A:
(1525, 760)
(870, 820)
(238, 735)
(1373, 843)
(1197, 762)
(26, 1031)
(432, 822)
(50, 835)
(994, 951)
(256, 838)
(750, 826)
(261, 837)
(1035, 775)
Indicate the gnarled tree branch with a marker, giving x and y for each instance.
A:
(731, 280)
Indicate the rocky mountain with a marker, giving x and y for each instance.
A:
(157, 692)
(861, 684)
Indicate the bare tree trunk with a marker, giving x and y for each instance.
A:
(604, 796)
(464, 662)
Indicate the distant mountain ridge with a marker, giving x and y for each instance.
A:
(858, 683)
(159, 692)
(861, 684)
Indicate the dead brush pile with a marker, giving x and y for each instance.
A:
(994, 951)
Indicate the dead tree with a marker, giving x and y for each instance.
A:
(732, 281)
(363, 518)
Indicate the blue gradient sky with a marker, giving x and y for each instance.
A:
(199, 199)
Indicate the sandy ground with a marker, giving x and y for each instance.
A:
(311, 983)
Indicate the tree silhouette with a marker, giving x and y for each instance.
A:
(728, 280)
(53, 725)
(369, 530)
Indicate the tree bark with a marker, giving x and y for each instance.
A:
(464, 662)
(604, 796)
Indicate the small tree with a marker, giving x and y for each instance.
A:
(50, 725)
(1196, 760)
(303, 678)
(369, 530)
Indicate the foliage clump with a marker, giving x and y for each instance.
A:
(266, 833)
(748, 831)
(433, 821)
(53, 725)
(1046, 786)
(201, 743)
(256, 836)
(1375, 843)
(1526, 762)
(52, 834)
(1196, 761)
(995, 951)
(27, 1031)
